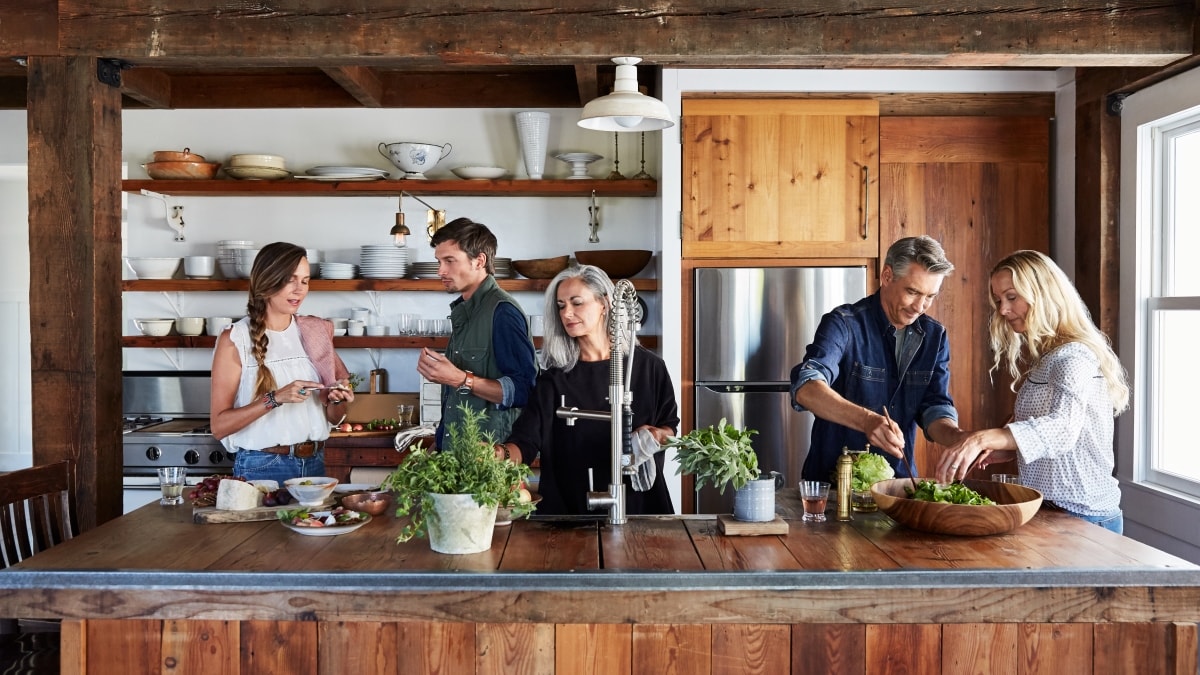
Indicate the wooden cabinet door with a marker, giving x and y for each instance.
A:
(780, 178)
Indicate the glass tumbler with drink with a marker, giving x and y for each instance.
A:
(404, 413)
(172, 480)
(815, 495)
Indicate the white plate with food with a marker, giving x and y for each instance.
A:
(344, 488)
(325, 523)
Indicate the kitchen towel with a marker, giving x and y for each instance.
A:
(645, 470)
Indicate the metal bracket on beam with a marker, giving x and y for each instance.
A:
(174, 213)
(1115, 103)
(108, 71)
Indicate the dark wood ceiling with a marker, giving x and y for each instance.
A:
(397, 53)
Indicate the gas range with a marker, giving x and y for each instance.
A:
(166, 424)
(174, 442)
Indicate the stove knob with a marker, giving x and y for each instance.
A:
(153, 453)
(216, 457)
(191, 457)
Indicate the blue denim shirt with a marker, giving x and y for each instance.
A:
(854, 350)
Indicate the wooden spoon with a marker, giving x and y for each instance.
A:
(911, 475)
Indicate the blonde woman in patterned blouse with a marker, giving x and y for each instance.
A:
(1069, 387)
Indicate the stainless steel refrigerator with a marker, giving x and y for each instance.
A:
(752, 326)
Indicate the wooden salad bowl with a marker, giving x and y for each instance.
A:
(1015, 505)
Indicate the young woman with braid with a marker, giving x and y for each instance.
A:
(272, 399)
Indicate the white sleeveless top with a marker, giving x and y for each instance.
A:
(291, 422)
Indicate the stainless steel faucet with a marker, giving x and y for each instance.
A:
(623, 320)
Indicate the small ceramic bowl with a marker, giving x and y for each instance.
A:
(312, 490)
(155, 327)
(374, 503)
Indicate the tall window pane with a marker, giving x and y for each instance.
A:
(1177, 370)
(1182, 247)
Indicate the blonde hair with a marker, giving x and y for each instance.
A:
(1056, 316)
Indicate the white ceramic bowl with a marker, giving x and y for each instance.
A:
(155, 327)
(479, 172)
(215, 324)
(199, 266)
(311, 491)
(414, 158)
(271, 161)
(154, 268)
(189, 325)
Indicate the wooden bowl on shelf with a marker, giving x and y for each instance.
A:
(616, 263)
(1015, 505)
(540, 268)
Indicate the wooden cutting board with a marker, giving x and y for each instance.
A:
(732, 527)
(211, 514)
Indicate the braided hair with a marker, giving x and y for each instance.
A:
(273, 269)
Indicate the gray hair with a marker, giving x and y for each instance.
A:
(560, 350)
(924, 250)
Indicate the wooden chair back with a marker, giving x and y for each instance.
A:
(35, 510)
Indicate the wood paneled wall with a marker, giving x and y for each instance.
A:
(367, 648)
(980, 186)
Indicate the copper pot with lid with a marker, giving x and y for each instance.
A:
(176, 156)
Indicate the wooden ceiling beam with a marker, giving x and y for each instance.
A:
(361, 83)
(150, 87)
(698, 33)
(587, 81)
(28, 27)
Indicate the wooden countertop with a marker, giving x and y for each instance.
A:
(156, 563)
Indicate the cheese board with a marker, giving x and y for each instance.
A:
(211, 514)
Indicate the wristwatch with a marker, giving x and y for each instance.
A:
(468, 383)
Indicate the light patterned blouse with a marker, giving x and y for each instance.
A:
(1063, 424)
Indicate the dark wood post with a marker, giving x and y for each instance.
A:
(75, 277)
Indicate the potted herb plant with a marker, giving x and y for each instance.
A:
(452, 495)
(722, 454)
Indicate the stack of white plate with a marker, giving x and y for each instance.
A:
(336, 270)
(423, 270)
(383, 261)
(343, 173)
(504, 268)
(228, 256)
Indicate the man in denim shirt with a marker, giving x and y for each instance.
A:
(881, 351)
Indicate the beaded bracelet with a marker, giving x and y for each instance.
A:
(269, 402)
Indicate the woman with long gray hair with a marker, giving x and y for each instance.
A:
(576, 352)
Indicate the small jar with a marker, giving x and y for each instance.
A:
(861, 501)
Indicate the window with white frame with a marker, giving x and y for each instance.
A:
(1171, 361)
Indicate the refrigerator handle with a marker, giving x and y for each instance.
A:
(866, 202)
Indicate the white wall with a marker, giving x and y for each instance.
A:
(16, 414)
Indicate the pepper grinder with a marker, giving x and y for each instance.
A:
(844, 473)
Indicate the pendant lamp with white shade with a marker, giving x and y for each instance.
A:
(626, 109)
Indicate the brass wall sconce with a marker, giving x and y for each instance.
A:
(435, 219)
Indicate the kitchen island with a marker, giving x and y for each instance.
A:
(154, 592)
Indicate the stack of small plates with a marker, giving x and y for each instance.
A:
(256, 167)
(423, 270)
(343, 173)
(336, 270)
(228, 255)
(504, 268)
(383, 261)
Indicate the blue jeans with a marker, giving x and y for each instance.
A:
(256, 465)
(1113, 522)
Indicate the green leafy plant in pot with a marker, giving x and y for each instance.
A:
(722, 454)
(452, 495)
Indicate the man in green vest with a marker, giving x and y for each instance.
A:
(489, 362)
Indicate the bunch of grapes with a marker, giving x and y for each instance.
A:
(280, 497)
(205, 494)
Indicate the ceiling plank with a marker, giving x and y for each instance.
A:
(147, 86)
(361, 83)
(587, 82)
(708, 33)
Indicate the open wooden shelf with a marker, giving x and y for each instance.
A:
(366, 342)
(290, 187)
(151, 285)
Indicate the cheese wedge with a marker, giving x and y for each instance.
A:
(236, 495)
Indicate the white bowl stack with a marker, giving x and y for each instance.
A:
(228, 256)
(337, 270)
(245, 264)
(383, 261)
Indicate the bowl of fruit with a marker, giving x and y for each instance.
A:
(311, 490)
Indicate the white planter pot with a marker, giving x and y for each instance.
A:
(755, 502)
(458, 525)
